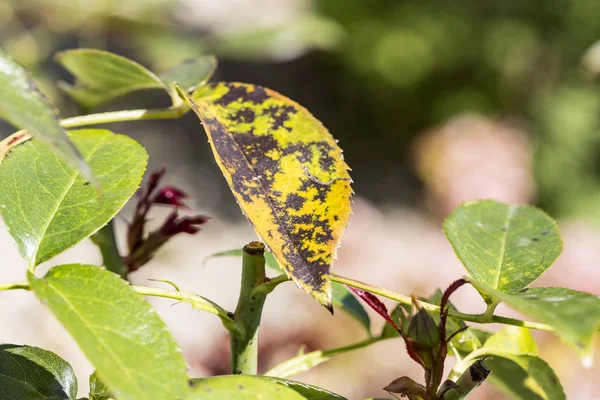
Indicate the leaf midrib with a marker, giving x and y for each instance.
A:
(509, 215)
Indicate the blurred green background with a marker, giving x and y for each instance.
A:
(377, 72)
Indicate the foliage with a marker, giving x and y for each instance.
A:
(288, 174)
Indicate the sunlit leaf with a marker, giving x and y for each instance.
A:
(98, 390)
(575, 316)
(525, 377)
(48, 207)
(286, 172)
(300, 363)
(502, 245)
(102, 76)
(241, 387)
(28, 372)
(511, 354)
(122, 336)
(23, 105)
(308, 392)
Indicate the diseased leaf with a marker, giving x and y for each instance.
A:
(241, 387)
(102, 76)
(48, 207)
(98, 390)
(189, 75)
(575, 316)
(28, 372)
(286, 172)
(502, 245)
(122, 336)
(23, 105)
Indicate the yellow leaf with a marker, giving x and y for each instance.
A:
(287, 173)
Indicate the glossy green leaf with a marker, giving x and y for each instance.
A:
(575, 316)
(511, 354)
(240, 387)
(102, 76)
(341, 296)
(502, 245)
(122, 336)
(23, 105)
(98, 390)
(189, 75)
(28, 372)
(48, 207)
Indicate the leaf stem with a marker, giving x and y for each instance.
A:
(106, 242)
(198, 302)
(247, 315)
(476, 318)
(125, 115)
(304, 362)
(270, 284)
(15, 285)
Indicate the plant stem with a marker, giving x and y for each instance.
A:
(15, 285)
(304, 362)
(247, 315)
(105, 240)
(122, 116)
(476, 318)
(198, 302)
(270, 284)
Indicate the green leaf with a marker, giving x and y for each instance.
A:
(525, 378)
(575, 316)
(504, 246)
(343, 299)
(300, 363)
(23, 105)
(48, 207)
(122, 336)
(309, 392)
(341, 296)
(102, 76)
(240, 387)
(98, 390)
(189, 75)
(28, 372)
(286, 172)
(511, 354)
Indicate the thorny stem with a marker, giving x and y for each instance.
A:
(247, 315)
(105, 240)
(476, 318)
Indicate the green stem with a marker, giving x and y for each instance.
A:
(247, 315)
(476, 318)
(304, 362)
(198, 302)
(470, 380)
(123, 116)
(105, 240)
(270, 284)
(14, 286)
